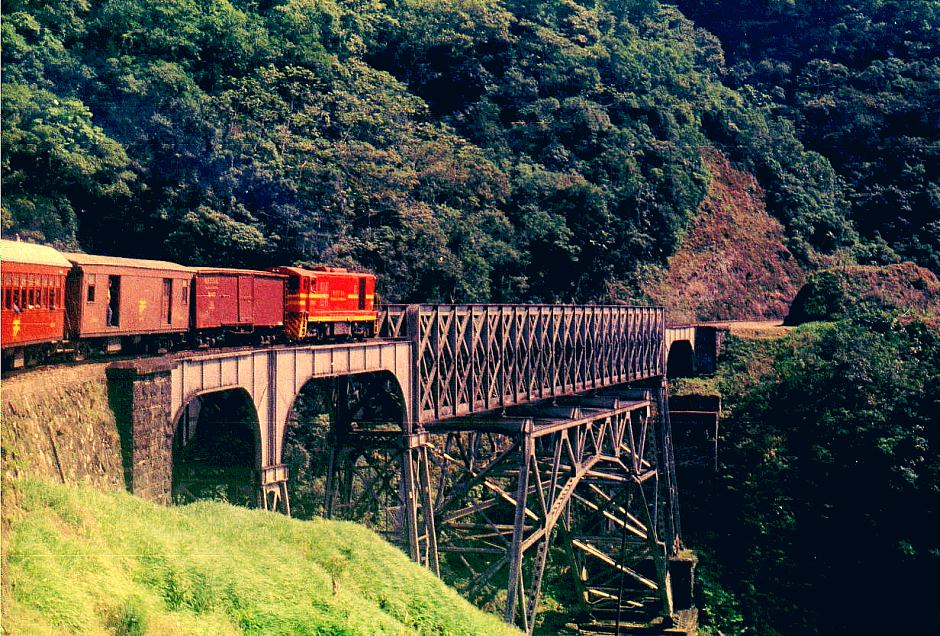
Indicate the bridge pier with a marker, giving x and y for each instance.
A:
(416, 492)
(140, 397)
(374, 460)
(273, 489)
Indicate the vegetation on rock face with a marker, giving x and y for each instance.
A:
(85, 562)
(859, 81)
(58, 424)
(835, 293)
(829, 486)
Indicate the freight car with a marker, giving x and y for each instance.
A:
(32, 316)
(55, 302)
(246, 304)
(119, 303)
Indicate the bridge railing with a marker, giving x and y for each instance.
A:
(472, 358)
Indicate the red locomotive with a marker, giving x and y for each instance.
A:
(328, 302)
(56, 301)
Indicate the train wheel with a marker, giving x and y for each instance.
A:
(44, 353)
(82, 351)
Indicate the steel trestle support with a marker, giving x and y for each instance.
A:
(585, 469)
(382, 479)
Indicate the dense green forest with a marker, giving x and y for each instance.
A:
(860, 82)
(822, 518)
(466, 150)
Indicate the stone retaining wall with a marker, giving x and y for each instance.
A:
(58, 424)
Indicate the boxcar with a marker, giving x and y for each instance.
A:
(237, 301)
(32, 317)
(328, 302)
(121, 301)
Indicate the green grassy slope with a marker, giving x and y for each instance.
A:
(81, 561)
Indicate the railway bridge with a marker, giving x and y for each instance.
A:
(513, 429)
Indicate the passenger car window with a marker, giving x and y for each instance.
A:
(91, 289)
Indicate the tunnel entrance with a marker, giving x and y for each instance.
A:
(342, 450)
(681, 360)
(216, 450)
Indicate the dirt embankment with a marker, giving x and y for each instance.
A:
(732, 262)
(58, 424)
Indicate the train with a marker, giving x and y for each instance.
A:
(56, 303)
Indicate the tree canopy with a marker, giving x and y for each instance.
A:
(467, 151)
(827, 493)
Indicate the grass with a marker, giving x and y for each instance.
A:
(81, 561)
(694, 386)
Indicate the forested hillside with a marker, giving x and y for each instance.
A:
(822, 516)
(860, 80)
(465, 150)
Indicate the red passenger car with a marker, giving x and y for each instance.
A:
(237, 301)
(328, 302)
(32, 314)
(114, 302)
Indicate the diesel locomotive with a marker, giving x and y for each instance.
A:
(55, 302)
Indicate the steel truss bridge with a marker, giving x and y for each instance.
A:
(539, 432)
(525, 436)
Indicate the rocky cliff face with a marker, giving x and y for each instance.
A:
(58, 425)
(732, 262)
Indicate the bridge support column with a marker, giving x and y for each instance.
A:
(416, 484)
(140, 395)
(669, 488)
(586, 471)
(371, 468)
(273, 495)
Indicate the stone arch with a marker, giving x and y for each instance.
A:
(342, 444)
(216, 447)
(680, 361)
(190, 398)
(384, 376)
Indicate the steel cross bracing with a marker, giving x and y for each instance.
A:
(375, 478)
(474, 358)
(525, 449)
(581, 475)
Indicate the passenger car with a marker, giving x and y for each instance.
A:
(32, 316)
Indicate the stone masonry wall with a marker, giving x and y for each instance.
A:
(58, 425)
(141, 401)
